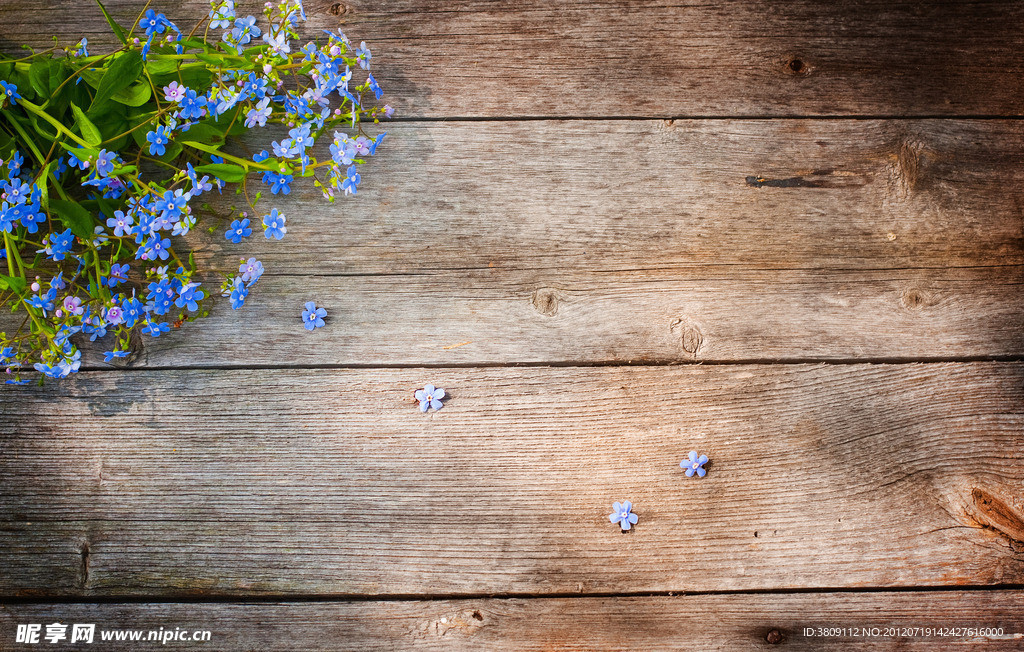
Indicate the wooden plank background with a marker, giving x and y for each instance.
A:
(600, 192)
(199, 483)
(747, 622)
(645, 58)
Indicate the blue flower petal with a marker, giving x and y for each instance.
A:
(424, 405)
(436, 404)
(633, 518)
(703, 459)
(626, 505)
(701, 472)
(617, 507)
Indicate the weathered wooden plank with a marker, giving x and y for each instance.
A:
(873, 621)
(331, 482)
(647, 58)
(503, 317)
(626, 195)
(628, 241)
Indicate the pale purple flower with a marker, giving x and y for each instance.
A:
(251, 270)
(430, 397)
(622, 515)
(694, 464)
(73, 305)
(258, 115)
(114, 315)
(174, 92)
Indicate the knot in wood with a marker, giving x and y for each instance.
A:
(545, 301)
(774, 636)
(690, 335)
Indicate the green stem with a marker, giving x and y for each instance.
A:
(9, 247)
(57, 124)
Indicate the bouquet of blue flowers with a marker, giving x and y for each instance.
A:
(103, 157)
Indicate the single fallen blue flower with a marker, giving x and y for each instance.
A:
(275, 225)
(694, 464)
(239, 229)
(313, 317)
(430, 397)
(622, 515)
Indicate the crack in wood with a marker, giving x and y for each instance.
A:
(86, 555)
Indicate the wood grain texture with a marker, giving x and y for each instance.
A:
(627, 195)
(718, 622)
(640, 241)
(645, 58)
(638, 317)
(197, 483)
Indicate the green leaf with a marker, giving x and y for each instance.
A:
(156, 66)
(88, 130)
(118, 31)
(227, 171)
(124, 71)
(39, 76)
(206, 133)
(193, 75)
(44, 193)
(211, 59)
(79, 152)
(74, 216)
(135, 95)
(15, 283)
